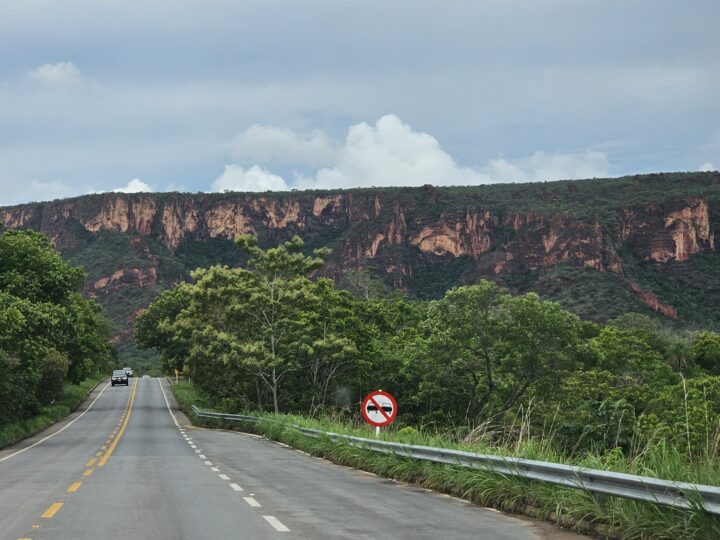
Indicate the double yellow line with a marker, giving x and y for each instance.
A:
(55, 507)
(111, 448)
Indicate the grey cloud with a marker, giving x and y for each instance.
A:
(161, 95)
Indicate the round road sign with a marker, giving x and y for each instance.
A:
(379, 408)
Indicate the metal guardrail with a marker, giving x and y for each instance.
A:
(682, 495)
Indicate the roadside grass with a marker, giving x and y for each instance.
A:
(70, 398)
(604, 516)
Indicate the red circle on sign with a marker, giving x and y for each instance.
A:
(375, 406)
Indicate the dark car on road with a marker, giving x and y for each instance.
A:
(119, 376)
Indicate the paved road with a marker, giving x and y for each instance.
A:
(128, 465)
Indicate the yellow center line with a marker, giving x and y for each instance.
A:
(90, 462)
(98, 454)
(74, 487)
(88, 472)
(50, 512)
(121, 431)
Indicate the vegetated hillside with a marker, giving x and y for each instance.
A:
(601, 247)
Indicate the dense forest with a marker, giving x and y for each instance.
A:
(51, 336)
(478, 362)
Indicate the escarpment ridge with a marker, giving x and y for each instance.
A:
(641, 235)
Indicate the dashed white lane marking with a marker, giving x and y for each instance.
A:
(167, 403)
(276, 523)
(59, 430)
(272, 520)
(208, 463)
(201, 456)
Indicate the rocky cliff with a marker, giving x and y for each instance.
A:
(421, 240)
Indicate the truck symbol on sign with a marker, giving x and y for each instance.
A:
(387, 408)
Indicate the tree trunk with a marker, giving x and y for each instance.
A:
(275, 391)
(259, 394)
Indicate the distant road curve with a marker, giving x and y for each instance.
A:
(128, 465)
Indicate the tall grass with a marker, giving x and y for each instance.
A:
(607, 517)
(70, 398)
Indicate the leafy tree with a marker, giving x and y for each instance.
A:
(367, 285)
(49, 333)
(687, 415)
(538, 346)
(331, 346)
(492, 348)
(273, 292)
(30, 268)
(650, 329)
(154, 326)
(706, 351)
(633, 362)
(461, 358)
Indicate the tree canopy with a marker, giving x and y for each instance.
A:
(49, 333)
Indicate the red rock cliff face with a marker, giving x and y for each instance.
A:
(376, 230)
(673, 231)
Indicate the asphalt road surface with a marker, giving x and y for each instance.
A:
(129, 465)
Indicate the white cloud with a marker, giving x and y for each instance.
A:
(707, 167)
(270, 144)
(134, 186)
(391, 153)
(60, 74)
(236, 178)
(541, 166)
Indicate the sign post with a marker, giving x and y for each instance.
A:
(379, 409)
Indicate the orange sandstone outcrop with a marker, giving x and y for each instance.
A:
(653, 301)
(133, 277)
(661, 235)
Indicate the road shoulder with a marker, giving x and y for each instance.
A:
(55, 427)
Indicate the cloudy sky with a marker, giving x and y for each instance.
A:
(209, 95)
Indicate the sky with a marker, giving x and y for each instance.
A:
(214, 95)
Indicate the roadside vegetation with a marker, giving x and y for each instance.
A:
(479, 369)
(53, 342)
(71, 396)
(606, 517)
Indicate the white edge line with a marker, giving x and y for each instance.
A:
(167, 403)
(59, 430)
(276, 523)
